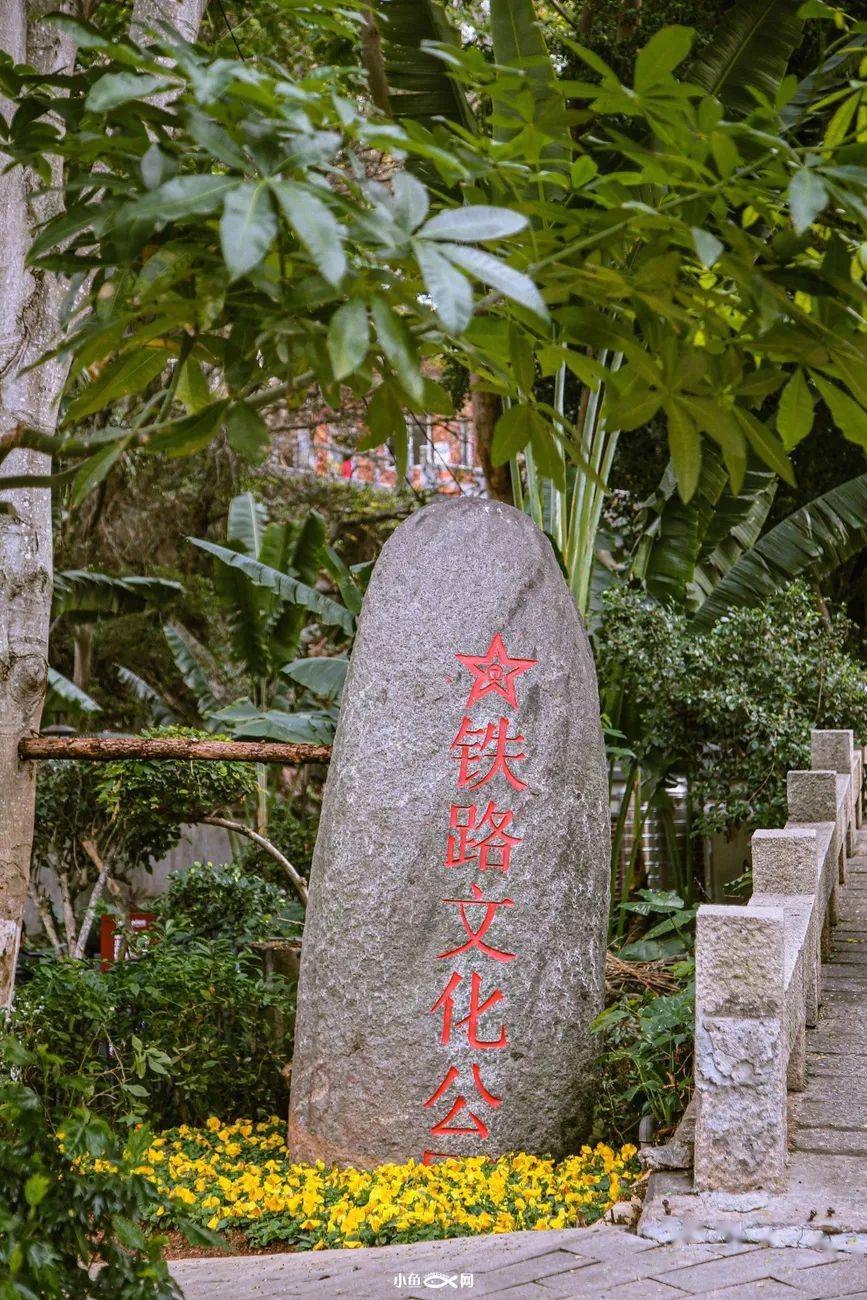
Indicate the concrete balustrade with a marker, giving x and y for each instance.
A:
(758, 974)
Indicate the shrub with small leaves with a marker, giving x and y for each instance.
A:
(190, 1026)
(157, 795)
(224, 902)
(69, 1198)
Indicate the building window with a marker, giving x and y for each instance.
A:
(465, 434)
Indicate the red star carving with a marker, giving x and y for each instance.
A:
(494, 671)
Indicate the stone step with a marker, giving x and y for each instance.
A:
(831, 1066)
(836, 1175)
(830, 1141)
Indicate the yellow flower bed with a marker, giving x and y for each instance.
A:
(240, 1176)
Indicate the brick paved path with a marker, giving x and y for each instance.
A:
(604, 1262)
(830, 1115)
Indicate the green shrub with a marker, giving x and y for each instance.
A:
(646, 1061)
(190, 1028)
(294, 836)
(732, 709)
(57, 1220)
(225, 902)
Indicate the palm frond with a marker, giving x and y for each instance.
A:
(246, 523)
(419, 85)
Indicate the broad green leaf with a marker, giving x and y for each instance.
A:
(840, 123)
(121, 377)
(247, 432)
(505, 279)
(817, 539)
(343, 576)
(684, 443)
(93, 470)
(248, 227)
(322, 676)
(671, 544)
(326, 610)
(661, 55)
(316, 226)
(420, 86)
(120, 87)
(194, 665)
(64, 694)
(396, 343)
(436, 398)
(547, 454)
(182, 196)
(476, 221)
(795, 411)
(186, 437)
(35, 1189)
(765, 445)
(192, 390)
(159, 710)
(246, 522)
(807, 198)
(448, 288)
(709, 248)
(411, 200)
(750, 51)
(83, 596)
(514, 429)
(348, 338)
(384, 417)
(275, 724)
(849, 417)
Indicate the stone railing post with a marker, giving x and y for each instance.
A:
(740, 1048)
(785, 865)
(835, 750)
(812, 798)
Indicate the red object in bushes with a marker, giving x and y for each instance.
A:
(111, 941)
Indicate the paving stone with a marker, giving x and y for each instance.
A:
(491, 1281)
(763, 1289)
(702, 1278)
(605, 1242)
(830, 1141)
(643, 1290)
(829, 1279)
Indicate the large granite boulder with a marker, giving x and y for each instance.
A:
(453, 953)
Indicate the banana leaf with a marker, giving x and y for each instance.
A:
(419, 85)
(816, 539)
(751, 51)
(82, 596)
(64, 696)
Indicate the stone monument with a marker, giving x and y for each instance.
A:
(454, 947)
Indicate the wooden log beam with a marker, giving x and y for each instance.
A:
(104, 749)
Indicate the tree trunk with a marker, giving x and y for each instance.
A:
(30, 304)
(487, 408)
(29, 314)
(149, 15)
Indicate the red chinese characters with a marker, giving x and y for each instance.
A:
(481, 837)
